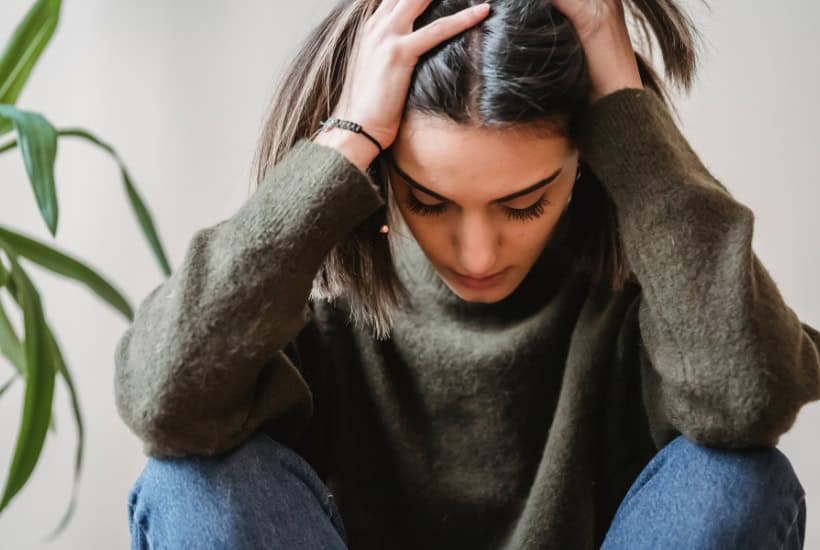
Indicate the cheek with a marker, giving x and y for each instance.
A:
(530, 233)
(526, 241)
(524, 245)
(431, 232)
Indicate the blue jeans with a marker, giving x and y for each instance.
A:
(265, 495)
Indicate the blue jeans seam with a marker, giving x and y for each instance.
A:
(143, 536)
(325, 500)
(138, 522)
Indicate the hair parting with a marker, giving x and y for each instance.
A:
(521, 68)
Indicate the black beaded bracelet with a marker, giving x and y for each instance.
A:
(333, 122)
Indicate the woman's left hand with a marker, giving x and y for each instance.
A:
(601, 26)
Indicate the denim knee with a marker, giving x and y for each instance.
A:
(763, 472)
(693, 496)
(760, 483)
(261, 494)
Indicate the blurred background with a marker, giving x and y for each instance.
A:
(179, 89)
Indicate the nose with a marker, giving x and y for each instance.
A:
(476, 243)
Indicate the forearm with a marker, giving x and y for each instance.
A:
(734, 363)
(201, 366)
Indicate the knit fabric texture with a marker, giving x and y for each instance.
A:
(514, 425)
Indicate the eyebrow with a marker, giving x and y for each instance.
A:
(527, 190)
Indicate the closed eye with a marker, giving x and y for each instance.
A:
(530, 212)
(533, 211)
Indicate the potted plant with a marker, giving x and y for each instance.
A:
(33, 352)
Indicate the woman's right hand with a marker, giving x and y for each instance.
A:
(382, 62)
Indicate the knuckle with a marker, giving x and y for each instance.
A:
(441, 28)
(437, 26)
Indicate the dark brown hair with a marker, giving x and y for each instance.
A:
(492, 75)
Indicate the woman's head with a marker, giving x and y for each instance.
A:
(480, 201)
(490, 112)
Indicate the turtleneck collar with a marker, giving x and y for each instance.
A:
(427, 290)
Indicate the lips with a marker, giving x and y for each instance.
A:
(480, 283)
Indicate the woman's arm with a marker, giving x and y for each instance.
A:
(204, 363)
(726, 361)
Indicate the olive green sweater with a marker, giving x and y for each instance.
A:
(515, 425)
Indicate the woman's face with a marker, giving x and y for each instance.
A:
(474, 201)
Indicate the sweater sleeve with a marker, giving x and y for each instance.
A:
(725, 361)
(204, 363)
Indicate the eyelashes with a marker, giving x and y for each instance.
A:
(523, 214)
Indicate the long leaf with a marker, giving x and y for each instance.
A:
(62, 369)
(8, 146)
(4, 275)
(7, 385)
(38, 143)
(52, 424)
(67, 266)
(137, 204)
(39, 392)
(78, 419)
(28, 41)
(10, 345)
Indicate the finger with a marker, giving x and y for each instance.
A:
(443, 28)
(407, 11)
(386, 6)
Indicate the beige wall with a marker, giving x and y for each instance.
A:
(179, 88)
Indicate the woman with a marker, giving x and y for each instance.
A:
(510, 309)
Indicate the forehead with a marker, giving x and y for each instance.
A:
(451, 158)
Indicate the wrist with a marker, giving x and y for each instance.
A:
(356, 147)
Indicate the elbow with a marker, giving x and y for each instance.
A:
(164, 429)
(145, 404)
(767, 405)
(751, 419)
(130, 397)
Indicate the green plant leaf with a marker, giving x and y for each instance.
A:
(39, 392)
(8, 146)
(62, 369)
(4, 275)
(7, 385)
(58, 262)
(10, 345)
(38, 143)
(78, 419)
(22, 51)
(137, 204)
